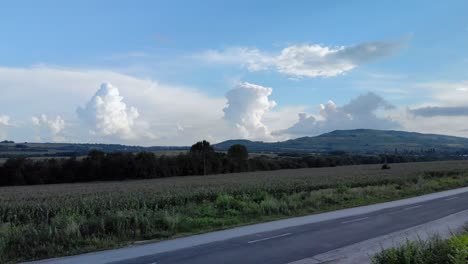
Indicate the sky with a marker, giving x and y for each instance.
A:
(175, 72)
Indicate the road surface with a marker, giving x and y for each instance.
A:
(288, 240)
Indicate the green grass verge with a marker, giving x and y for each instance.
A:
(432, 251)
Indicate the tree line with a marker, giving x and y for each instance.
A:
(200, 160)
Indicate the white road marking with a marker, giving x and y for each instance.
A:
(448, 199)
(412, 207)
(268, 238)
(355, 220)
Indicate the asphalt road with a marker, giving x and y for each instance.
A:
(299, 242)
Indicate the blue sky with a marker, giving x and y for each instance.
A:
(209, 48)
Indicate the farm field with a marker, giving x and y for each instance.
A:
(51, 220)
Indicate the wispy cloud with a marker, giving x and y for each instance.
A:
(431, 111)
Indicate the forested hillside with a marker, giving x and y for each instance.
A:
(364, 141)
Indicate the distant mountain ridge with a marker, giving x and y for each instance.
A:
(368, 141)
(359, 141)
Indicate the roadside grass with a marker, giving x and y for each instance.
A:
(54, 220)
(433, 251)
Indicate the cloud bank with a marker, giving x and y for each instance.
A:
(358, 113)
(176, 115)
(306, 60)
(246, 105)
(163, 108)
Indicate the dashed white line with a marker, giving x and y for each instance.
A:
(412, 207)
(448, 199)
(355, 220)
(268, 238)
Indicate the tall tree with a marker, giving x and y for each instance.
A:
(204, 150)
(238, 152)
(238, 155)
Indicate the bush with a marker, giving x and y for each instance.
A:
(386, 167)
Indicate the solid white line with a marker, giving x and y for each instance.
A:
(268, 238)
(355, 220)
(448, 199)
(412, 207)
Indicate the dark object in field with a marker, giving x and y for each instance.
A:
(386, 167)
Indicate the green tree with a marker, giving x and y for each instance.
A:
(145, 165)
(238, 155)
(238, 152)
(204, 151)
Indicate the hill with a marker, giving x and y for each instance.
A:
(364, 141)
(359, 141)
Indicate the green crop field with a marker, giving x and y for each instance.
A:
(52, 220)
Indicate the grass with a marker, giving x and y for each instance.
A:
(53, 220)
(432, 251)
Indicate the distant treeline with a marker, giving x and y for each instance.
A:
(200, 160)
(10, 149)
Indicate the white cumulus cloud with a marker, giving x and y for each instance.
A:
(358, 113)
(107, 114)
(54, 126)
(246, 105)
(4, 120)
(307, 60)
